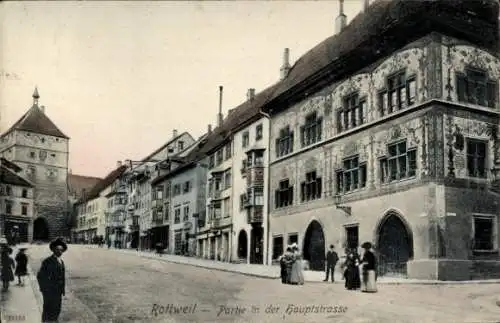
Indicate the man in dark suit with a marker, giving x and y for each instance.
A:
(331, 261)
(51, 280)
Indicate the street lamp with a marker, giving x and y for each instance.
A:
(338, 202)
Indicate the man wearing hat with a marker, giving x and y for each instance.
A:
(51, 279)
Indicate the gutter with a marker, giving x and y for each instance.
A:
(268, 220)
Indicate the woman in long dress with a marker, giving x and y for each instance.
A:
(297, 275)
(351, 271)
(8, 266)
(21, 265)
(369, 284)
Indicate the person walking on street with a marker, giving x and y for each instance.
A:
(52, 282)
(8, 266)
(331, 261)
(21, 265)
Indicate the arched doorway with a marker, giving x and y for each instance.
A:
(242, 245)
(394, 245)
(314, 246)
(40, 229)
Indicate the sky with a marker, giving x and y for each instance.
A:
(119, 77)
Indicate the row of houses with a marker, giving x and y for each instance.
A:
(386, 132)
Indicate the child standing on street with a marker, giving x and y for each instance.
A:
(21, 265)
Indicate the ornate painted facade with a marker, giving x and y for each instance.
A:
(384, 157)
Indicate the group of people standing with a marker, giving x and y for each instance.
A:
(292, 271)
(359, 272)
(19, 267)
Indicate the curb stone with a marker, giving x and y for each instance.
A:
(274, 277)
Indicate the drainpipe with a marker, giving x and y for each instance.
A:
(268, 220)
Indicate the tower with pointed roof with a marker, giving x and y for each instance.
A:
(41, 149)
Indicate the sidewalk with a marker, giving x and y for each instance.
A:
(273, 272)
(19, 303)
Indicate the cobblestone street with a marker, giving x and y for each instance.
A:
(107, 286)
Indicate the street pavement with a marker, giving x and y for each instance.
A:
(109, 286)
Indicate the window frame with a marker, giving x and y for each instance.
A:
(311, 189)
(311, 131)
(259, 132)
(469, 140)
(274, 237)
(494, 235)
(284, 142)
(399, 84)
(341, 175)
(281, 191)
(384, 163)
(467, 83)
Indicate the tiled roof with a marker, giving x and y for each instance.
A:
(9, 164)
(8, 176)
(78, 183)
(34, 120)
(365, 31)
(103, 184)
(372, 34)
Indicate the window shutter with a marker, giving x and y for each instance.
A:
(461, 87)
(492, 94)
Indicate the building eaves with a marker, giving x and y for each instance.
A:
(103, 184)
(36, 121)
(8, 176)
(163, 147)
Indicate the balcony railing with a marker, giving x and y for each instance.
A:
(255, 215)
(215, 223)
(255, 176)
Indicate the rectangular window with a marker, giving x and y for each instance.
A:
(177, 189)
(8, 207)
(177, 215)
(159, 193)
(211, 161)
(284, 194)
(258, 195)
(228, 151)
(311, 131)
(258, 158)
(475, 87)
(8, 190)
(352, 176)
(352, 113)
(24, 209)
(218, 157)
(186, 213)
(476, 158)
(284, 143)
(485, 236)
(217, 209)
(227, 207)
(293, 238)
(245, 139)
(310, 189)
(25, 193)
(227, 179)
(277, 247)
(258, 132)
(243, 200)
(187, 187)
(400, 163)
(400, 92)
(180, 145)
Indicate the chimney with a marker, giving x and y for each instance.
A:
(366, 4)
(341, 20)
(174, 133)
(251, 94)
(209, 129)
(285, 68)
(42, 108)
(119, 164)
(219, 115)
